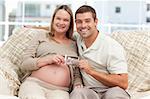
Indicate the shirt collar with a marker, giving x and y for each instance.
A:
(95, 44)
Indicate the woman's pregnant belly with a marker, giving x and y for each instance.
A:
(54, 74)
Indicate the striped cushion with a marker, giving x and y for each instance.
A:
(15, 45)
(8, 76)
(10, 54)
(137, 46)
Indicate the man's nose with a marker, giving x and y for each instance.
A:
(83, 24)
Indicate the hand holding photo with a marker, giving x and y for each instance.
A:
(69, 60)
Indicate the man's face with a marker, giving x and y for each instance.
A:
(85, 24)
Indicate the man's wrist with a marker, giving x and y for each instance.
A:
(90, 71)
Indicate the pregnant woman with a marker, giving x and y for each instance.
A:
(47, 74)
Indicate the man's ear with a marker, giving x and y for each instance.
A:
(96, 22)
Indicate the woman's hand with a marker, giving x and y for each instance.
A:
(50, 59)
(58, 59)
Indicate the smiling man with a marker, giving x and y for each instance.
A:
(103, 64)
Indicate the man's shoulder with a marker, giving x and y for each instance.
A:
(109, 41)
(76, 36)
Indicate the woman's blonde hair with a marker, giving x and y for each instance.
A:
(70, 30)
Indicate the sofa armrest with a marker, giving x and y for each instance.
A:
(1, 43)
(146, 97)
(8, 97)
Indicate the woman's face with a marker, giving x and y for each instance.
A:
(61, 21)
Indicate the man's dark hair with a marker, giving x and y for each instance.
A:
(86, 8)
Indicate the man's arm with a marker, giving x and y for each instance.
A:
(110, 80)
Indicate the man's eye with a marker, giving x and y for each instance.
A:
(78, 21)
(87, 21)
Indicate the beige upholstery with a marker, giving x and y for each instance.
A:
(137, 46)
(8, 97)
(10, 54)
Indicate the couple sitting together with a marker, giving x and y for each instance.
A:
(66, 65)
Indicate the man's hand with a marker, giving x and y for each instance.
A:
(85, 66)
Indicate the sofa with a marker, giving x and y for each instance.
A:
(135, 43)
(10, 59)
(137, 47)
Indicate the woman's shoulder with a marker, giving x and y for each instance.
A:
(72, 41)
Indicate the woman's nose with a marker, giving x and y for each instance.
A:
(61, 21)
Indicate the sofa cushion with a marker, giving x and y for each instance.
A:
(15, 45)
(10, 55)
(137, 46)
(8, 97)
(8, 77)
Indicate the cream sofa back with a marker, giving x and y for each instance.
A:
(137, 46)
(10, 55)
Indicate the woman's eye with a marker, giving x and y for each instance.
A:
(58, 18)
(66, 20)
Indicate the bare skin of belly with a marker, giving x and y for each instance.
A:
(54, 74)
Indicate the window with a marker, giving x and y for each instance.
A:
(2, 29)
(20, 13)
(148, 19)
(32, 10)
(2, 11)
(118, 10)
(148, 7)
(113, 14)
(47, 6)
